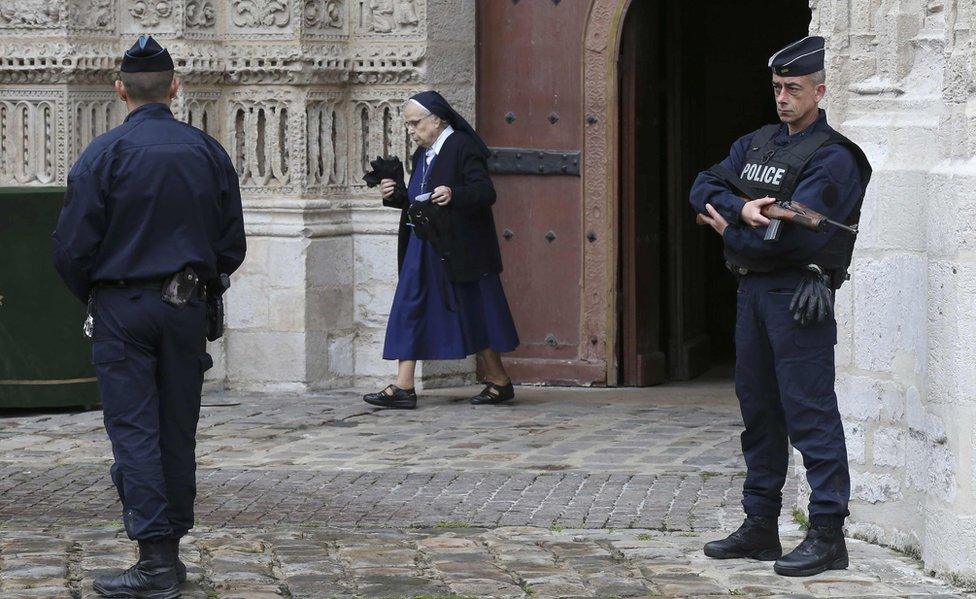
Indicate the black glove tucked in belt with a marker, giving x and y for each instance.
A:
(813, 300)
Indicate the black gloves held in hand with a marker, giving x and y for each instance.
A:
(384, 168)
(813, 300)
(388, 168)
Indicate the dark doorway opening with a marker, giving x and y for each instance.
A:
(693, 78)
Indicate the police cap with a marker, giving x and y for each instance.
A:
(146, 56)
(799, 58)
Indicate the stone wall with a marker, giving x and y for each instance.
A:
(301, 93)
(901, 83)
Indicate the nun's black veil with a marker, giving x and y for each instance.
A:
(436, 104)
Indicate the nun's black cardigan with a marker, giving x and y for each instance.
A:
(472, 243)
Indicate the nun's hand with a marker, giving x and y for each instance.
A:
(442, 196)
(387, 187)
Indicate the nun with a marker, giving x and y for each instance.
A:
(446, 309)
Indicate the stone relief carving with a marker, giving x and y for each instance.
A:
(330, 63)
(260, 142)
(91, 14)
(406, 14)
(30, 14)
(149, 12)
(326, 150)
(261, 13)
(28, 144)
(93, 113)
(381, 16)
(323, 14)
(386, 66)
(200, 14)
(202, 113)
(377, 130)
(388, 16)
(279, 144)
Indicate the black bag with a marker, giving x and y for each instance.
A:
(431, 222)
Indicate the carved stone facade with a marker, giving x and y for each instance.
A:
(301, 93)
(902, 82)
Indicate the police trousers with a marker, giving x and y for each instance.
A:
(149, 359)
(784, 379)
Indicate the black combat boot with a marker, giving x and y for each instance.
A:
(180, 566)
(823, 549)
(757, 538)
(152, 577)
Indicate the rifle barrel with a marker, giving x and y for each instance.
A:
(847, 228)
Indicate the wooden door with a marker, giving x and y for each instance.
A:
(643, 189)
(529, 112)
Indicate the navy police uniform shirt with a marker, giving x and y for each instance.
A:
(829, 184)
(147, 199)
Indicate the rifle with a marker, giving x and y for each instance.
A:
(798, 214)
(780, 211)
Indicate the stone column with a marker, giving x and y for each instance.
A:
(900, 83)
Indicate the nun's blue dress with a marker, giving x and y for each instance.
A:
(424, 325)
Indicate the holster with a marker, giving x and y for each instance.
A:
(215, 307)
(179, 288)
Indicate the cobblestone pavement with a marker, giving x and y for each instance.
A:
(567, 493)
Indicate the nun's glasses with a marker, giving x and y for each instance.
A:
(413, 124)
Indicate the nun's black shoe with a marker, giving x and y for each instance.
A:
(393, 397)
(493, 393)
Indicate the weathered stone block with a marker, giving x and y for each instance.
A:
(329, 308)
(286, 308)
(891, 315)
(247, 303)
(855, 436)
(888, 447)
(274, 358)
(369, 353)
(330, 262)
(950, 542)
(342, 363)
(288, 262)
(875, 488)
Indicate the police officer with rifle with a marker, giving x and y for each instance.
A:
(786, 202)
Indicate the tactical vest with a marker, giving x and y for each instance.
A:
(774, 170)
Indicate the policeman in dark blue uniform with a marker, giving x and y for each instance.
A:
(152, 219)
(785, 331)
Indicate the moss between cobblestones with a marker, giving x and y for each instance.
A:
(965, 583)
(800, 517)
(452, 524)
(434, 597)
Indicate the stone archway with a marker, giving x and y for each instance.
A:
(601, 44)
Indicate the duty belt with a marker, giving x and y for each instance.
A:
(156, 284)
(133, 283)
